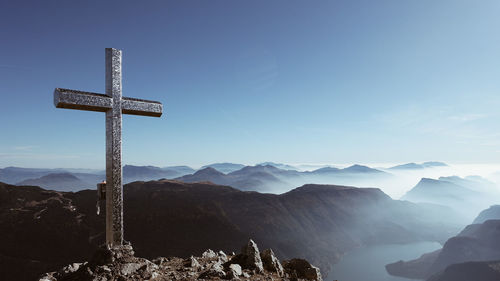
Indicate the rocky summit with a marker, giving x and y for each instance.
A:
(119, 263)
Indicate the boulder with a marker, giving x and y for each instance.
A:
(302, 269)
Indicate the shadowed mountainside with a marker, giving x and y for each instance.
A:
(477, 242)
(42, 230)
(482, 271)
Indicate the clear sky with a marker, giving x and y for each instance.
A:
(251, 81)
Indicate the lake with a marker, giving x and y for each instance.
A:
(369, 263)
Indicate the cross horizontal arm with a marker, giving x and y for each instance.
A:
(141, 107)
(73, 99)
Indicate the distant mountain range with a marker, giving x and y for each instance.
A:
(271, 177)
(79, 179)
(145, 173)
(465, 195)
(42, 230)
(475, 243)
(415, 166)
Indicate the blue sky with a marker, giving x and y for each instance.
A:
(251, 81)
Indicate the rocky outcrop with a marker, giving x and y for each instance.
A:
(119, 263)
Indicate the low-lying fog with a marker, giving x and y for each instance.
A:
(404, 180)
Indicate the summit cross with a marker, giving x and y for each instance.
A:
(114, 105)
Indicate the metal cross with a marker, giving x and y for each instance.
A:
(114, 105)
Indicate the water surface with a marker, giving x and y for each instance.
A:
(369, 263)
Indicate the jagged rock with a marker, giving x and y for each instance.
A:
(119, 264)
(271, 262)
(209, 254)
(302, 269)
(249, 257)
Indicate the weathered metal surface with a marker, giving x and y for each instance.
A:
(73, 99)
(114, 105)
(114, 196)
(141, 107)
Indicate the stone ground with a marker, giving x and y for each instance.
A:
(119, 264)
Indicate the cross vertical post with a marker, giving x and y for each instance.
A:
(114, 196)
(114, 105)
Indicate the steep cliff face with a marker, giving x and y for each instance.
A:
(477, 242)
(42, 230)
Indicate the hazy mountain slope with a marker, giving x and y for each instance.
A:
(13, 175)
(269, 178)
(437, 191)
(173, 218)
(144, 173)
(415, 166)
(33, 176)
(445, 191)
(278, 165)
(182, 170)
(60, 182)
(255, 178)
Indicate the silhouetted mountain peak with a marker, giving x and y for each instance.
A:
(208, 171)
(326, 170)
